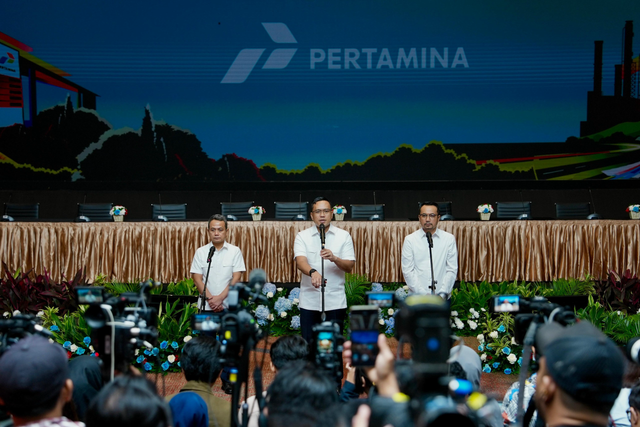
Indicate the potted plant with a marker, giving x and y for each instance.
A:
(338, 212)
(118, 213)
(634, 211)
(485, 211)
(256, 212)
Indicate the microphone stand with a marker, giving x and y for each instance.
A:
(203, 297)
(323, 315)
(433, 280)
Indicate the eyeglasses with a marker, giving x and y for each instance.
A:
(431, 215)
(320, 211)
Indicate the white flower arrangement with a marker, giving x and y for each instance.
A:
(187, 338)
(494, 335)
(118, 211)
(339, 209)
(512, 358)
(256, 210)
(283, 314)
(473, 325)
(480, 338)
(171, 358)
(633, 208)
(381, 322)
(454, 313)
(486, 208)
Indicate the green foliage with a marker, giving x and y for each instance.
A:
(116, 289)
(566, 287)
(356, 287)
(71, 330)
(184, 287)
(614, 324)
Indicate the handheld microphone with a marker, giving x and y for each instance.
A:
(211, 251)
(322, 235)
(429, 239)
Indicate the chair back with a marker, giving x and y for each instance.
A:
(513, 210)
(292, 210)
(367, 212)
(238, 209)
(95, 211)
(172, 212)
(22, 211)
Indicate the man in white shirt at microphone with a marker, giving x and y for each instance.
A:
(416, 265)
(339, 258)
(222, 260)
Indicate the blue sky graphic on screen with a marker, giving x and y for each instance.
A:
(294, 83)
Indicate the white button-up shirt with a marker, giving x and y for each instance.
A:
(307, 244)
(416, 267)
(224, 263)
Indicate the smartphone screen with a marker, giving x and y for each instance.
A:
(90, 295)
(324, 343)
(364, 334)
(506, 303)
(207, 322)
(380, 299)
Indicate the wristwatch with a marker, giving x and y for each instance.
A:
(313, 270)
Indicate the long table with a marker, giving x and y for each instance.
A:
(487, 250)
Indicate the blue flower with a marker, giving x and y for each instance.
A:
(481, 347)
(155, 351)
(507, 371)
(147, 366)
(269, 287)
(495, 365)
(86, 340)
(178, 363)
(486, 369)
(295, 322)
(294, 294)
(376, 287)
(147, 352)
(54, 328)
(67, 344)
(140, 359)
(401, 294)
(164, 345)
(165, 366)
(92, 355)
(80, 351)
(506, 351)
(262, 312)
(283, 304)
(489, 347)
(174, 345)
(390, 322)
(502, 328)
(520, 361)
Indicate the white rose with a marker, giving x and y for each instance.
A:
(171, 358)
(16, 313)
(480, 338)
(619, 313)
(279, 289)
(513, 341)
(296, 301)
(472, 310)
(483, 309)
(269, 294)
(483, 357)
(493, 335)
(283, 314)
(73, 348)
(51, 341)
(91, 348)
(270, 317)
(381, 321)
(187, 338)
(137, 351)
(476, 315)
(7, 314)
(40, 314)
(512, 358)
(454, 313)
(405, 287)
(390, 312)
(459, 323)
(473, 325)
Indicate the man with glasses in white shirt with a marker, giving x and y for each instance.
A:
(416, 265)
(339, 258)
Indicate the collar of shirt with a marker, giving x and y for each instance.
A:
(317, 233)
(434, 234)
(224, 246)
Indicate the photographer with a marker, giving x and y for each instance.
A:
(580, 375)
(35, 384)
(200, 364)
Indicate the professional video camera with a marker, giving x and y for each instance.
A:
(18, 327)
(119, 325)
(325, 348)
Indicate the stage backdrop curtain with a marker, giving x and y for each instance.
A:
(487, 250)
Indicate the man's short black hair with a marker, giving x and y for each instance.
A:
(299, 390)
(128, 401)
(217, 217)
(429, 203)
(201, 359)
(318, 199)
(634, 396)
(287, 349)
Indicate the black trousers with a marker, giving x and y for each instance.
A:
(308, 318)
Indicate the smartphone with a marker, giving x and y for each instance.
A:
(90, 294)
(380, 299)
(364, 334)
(206, 322)
(505, 303)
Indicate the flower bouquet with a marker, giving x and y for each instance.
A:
(338, 212)
(118, 213)
(485, 211)
(256, 212)
(634, 211)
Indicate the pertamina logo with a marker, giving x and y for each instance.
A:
(9, 60)
(248, 58)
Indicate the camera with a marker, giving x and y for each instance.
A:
(119, 325)
(18, 327)
(325, 348)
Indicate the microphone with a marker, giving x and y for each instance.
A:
(322, 235)
(211, 251)
(429, 239)
(257, 279)
(633, 349)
